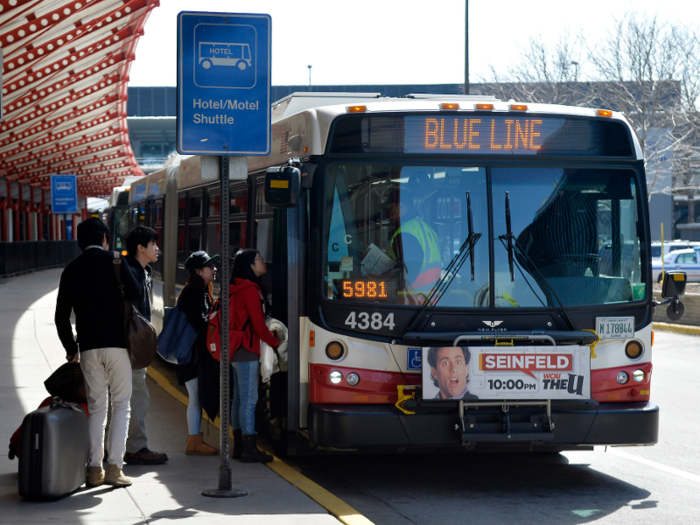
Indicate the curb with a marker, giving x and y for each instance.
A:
(678, 328)
(333, 504)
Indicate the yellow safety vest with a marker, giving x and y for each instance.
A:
(428, 240)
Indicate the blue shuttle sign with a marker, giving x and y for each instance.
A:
(64, 194)
(223, 81)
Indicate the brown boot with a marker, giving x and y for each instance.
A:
(114, 476)
(95, 477)
(197, 447)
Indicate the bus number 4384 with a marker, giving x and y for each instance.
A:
(364, 321)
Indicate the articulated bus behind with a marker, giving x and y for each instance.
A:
(455, 272)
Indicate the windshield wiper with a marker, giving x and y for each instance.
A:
(508, 241)
(441, 286)
(509, 238)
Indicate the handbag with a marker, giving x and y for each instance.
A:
(67, 382)
(141, 336)
(176, 338)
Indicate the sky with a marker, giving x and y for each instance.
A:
(396, 42)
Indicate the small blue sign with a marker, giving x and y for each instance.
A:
(64, 194)
(414, 359)
(223, 80)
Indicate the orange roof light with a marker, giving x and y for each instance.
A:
(518, 107)
(487, 107)
(449, 105)
(604, 113)
(125, 253)
(357, 109)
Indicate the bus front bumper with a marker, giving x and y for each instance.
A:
(384, 426)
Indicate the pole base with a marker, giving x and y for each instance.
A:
(216, 493)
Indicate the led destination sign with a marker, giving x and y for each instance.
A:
(475, 134)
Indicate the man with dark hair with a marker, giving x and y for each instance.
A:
(89, 287)
(449, 369)
(142, 248)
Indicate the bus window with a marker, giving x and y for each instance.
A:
(195, 206)
(238, 237)
(576, 230)
(213, 237)
(182, 208)
(194, 238)
(214, 206)
(239, 201)
(392, 230)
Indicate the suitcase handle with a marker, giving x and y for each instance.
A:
(58, 402)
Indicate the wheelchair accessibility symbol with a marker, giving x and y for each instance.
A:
(414, 359)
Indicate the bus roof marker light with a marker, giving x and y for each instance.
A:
(604, 113)
(449, 105)
(485, 107)
(357, 109)
(518, 107)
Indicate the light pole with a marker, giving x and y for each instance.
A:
(466, 47)
(309, 75)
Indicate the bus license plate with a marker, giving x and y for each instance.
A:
(615, 327)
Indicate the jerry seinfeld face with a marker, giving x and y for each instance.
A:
(450, 371)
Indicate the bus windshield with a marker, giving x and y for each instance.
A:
(392, 230)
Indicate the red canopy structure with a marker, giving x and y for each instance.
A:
(64, 93)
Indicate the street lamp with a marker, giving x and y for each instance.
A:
(309, 75)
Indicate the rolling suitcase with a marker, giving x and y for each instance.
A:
(54, 451)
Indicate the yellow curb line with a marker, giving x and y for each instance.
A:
(681, 328)
(333, 504)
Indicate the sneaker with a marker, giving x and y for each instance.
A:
(145, 457)
(95, 476)
(114, 476)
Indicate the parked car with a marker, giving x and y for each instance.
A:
(670, 246)
(687, 260)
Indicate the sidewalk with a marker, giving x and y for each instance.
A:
(30, 350)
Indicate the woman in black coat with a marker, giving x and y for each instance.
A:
(195, 302)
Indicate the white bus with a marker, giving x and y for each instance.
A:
(225, 54)
(457, 272)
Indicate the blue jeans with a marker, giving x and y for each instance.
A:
(245, 396)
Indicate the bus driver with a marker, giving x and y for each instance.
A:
(414, 242)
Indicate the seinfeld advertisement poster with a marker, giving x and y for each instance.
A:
(476, 373)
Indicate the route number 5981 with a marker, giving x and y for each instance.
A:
(365, 320)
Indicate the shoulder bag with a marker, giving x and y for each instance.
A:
(141, 336)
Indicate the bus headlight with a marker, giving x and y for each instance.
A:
(638, 375)
(353, 379)
(336, 377)
(622, 377)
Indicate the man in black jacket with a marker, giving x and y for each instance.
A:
(142, 248)
(89, 287)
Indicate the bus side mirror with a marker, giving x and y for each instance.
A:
(673, 288)
(673, 285)
(282, 187)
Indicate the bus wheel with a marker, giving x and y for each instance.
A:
(206, 64)
(242, 65)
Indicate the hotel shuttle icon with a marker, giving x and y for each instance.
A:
(225, 54)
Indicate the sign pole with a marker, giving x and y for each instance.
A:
(224, 490)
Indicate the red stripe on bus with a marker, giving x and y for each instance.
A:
(376, 387)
